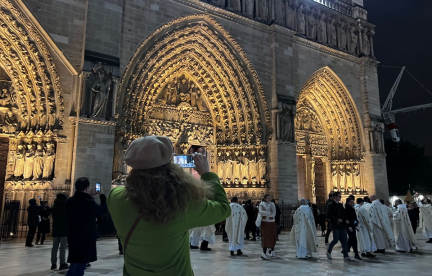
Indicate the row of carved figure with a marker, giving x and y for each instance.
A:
(308, 20)
(34, 161)
(346, 176)
(242, 171)
(245, 195)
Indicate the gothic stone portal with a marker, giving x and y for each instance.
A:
(329, 143)
(198, 88)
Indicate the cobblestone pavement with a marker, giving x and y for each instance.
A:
(15, 259)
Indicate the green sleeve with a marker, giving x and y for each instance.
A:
(209, 211)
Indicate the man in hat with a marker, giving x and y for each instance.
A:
(235, 227)
(303, 234)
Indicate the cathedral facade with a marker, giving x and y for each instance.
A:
(281, 95)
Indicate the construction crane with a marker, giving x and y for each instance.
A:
(389, 114)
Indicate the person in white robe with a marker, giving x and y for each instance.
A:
(365, 240)
(382, 230)
(235, 227)
(204, 234)
(425, 221)
(303, 233)
(404, 234)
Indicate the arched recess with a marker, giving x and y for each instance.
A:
(218, 102)
(198, 47)
(34, 93)
(329, 136)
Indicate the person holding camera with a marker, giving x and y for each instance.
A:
(158, 205)
(338, 221)
(351, 216)
(81, 212)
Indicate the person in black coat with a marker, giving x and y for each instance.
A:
(250, 225)
(414, 215)
(32, 221)
(338, 221)
(44, 225)
(351, 216)
(60, 231)
(277, 218)
(81, 212)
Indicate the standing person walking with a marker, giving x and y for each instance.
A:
(326, 239)
(235, 226)
(338, 222)
(267, 210)
(414, 215)
(158, 205)
(44, 225)
(250, 225)
(32, 221)
(59, 231)
(81, 212)
(351, 216)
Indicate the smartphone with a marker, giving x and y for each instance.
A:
(185, 160)
(98, 187)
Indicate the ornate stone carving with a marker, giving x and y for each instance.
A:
(301, 21)
(249, 6)
(286, 125)
(290, 16)
(377, 138)
(280, 12)
(353, 41)
(366, 45)
(263, 10)
(332, 36)
(322, 29)
(311, 30)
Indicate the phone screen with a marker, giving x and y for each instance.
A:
(98, 187)
(185, 161)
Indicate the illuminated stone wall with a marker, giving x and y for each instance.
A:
(95, 46)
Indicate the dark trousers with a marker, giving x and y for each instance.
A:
(76, 269)
(328, 233)
(339, 234)
(414, 226)
(30, 235)
(224, 233)
(352, 241)
(120, 247)
(250, 228)
(38, 237)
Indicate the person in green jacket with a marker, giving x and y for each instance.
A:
(158, 205)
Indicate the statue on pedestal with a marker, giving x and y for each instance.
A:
(322, 29)
(311, 31)
(38, 162)
(290, 16)
(249, 6)
(332, 36)
(287, 124)
(19, 161)
(29, 162)
(301, 21)
(263, 10)
(280, 12)
(101, 89)
(352, 43)
(334, 175)
(366, 45)
(49, 161)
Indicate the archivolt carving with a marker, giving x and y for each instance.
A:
(336, 113)
(199, 48)
(34, 81)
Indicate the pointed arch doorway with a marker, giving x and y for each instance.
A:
(328, 132)
(190, 81)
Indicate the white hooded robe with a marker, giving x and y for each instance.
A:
(382, 230)
(365, 238)
(425, 219)
(404, 234)
(235, 226)
(303, 233)
(206, 233)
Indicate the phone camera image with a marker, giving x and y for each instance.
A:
(98, 187)
(185, 161)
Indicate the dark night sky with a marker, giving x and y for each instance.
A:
(403, 38)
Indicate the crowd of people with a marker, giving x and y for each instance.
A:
(163, 212)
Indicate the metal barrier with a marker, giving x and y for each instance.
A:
(14, 221)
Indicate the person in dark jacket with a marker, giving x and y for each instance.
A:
(338, 222)
(351, 216)
(250, 225)
(277, 218)
(60, 229)
(32, 221)
(44, 225)
(81, 212)
(414, 215)
(329, 200)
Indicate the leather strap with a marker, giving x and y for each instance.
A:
(139, 217)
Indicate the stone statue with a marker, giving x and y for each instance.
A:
(228, 171)
(311, 30)
(301, 21)
(334, 175)
(332, 36)
(342, 177)
(356, 175)
(183, 90)
(193, 95)
(377, 140)
(366, 46)
(119, 149)
(29, 161)
(168, 93)
(234, 5)
(262, 169)
(5, 98)
(249, 7)
(280, 12)
(101, 90)
(349, 177)
(290, 16)
(322, 29)
(49, 161)
(245, 168)
(220, 170)
(287, 124)
(313, 173)
(9, 124)
(263, 10)
(19, 161)
(199, 102)
(352, 44)
(236, 169)
(342, 36)
(38, 162)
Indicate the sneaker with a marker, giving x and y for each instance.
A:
(54, 266)
(63, 266)
(349, 259)
(263, 256)
(328, 255)
(273, 253)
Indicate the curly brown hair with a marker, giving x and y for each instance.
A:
(165, 192)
